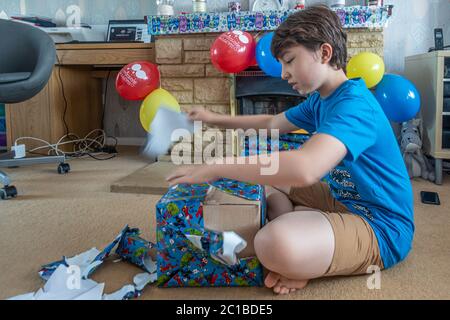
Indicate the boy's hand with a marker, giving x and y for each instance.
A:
(200, 114)
(193, 174)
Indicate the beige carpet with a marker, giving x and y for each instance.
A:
(65, 215)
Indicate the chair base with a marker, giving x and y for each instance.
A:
(11, 162)
(4, 179)
(8, 191)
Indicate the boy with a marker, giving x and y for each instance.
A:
(362, 218)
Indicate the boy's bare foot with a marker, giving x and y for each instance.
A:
(282, 285)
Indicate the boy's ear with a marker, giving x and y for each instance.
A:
(327, 52)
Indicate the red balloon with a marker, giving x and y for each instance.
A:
(233, 51)
(137, 80)
(254, 62)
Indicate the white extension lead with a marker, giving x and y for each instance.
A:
(85, 145)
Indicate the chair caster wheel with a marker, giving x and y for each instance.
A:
(8, 192)
(63, 168)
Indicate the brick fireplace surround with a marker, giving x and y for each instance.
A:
(187, 72)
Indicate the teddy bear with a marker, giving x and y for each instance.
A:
(411, 147)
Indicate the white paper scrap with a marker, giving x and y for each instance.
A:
(164, 124)
(232, 245)
(143, 279)
(95, 293)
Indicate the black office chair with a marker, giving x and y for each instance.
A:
(27, 57)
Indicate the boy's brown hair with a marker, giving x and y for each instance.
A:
(311, 28)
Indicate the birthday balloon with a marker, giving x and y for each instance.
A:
(398, 97)
(233, 51)
(137, 80)
(368, 66)
(153, 102)
(266, 61)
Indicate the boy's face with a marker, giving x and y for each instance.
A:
(303, 69)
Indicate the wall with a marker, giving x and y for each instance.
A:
(93, 12)
(410, 30)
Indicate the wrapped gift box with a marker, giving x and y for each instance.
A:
(290, 141)
(204, 212)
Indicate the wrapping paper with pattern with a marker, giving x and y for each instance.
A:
(134, 249)
(290, 141)
(92, 265)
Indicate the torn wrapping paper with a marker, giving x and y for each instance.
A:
(195, 244)
(64, 285)
(134, 249)
(68, 279)
(87, 261)
(221, 246)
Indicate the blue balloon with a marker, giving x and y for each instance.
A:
(398, 97)
(266, 61)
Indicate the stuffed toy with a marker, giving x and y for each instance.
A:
(411, 147)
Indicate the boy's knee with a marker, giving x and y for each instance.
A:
(260, 242)
(272, 247)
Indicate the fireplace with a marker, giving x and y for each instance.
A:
(257, 93)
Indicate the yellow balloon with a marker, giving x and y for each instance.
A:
(368, 66)
(158, 98)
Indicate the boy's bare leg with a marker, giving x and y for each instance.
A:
(295, 247)
(278, 202)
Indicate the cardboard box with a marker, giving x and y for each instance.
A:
(226, 212)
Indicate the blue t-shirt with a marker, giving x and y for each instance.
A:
(372, 180)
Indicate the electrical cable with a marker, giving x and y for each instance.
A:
(81, 147)
(104, 99)
(64, 96)
(89, 146)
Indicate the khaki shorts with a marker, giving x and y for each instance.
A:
(356, 246)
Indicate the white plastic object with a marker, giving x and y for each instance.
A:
(19, 151)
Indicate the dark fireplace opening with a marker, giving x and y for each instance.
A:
(257, 93)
